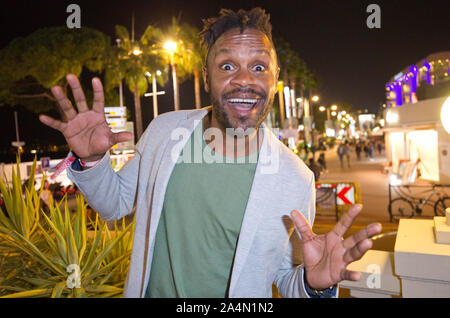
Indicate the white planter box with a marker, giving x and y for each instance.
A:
(378, 276)
(421, 262)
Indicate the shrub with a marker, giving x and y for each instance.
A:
(55, 255)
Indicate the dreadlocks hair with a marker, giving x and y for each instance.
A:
(256, 18)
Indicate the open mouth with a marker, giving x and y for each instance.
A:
(243, 105)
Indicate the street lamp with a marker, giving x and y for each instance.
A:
(328, 108)
(171, 48)
(329, 124)
(307, 118)
(137, 51)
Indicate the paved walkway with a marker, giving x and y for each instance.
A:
(374, 190)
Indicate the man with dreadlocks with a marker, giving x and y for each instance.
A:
(222, 224)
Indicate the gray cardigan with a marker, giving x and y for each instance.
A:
(268, 248)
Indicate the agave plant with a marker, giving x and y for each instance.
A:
(55, 255)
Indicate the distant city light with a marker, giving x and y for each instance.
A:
(334, 107)
(322, 108)
(330, 132)
(315, 98)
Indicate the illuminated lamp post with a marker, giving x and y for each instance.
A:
(137, 100)
(307, 119)
(171, 48)
(281, 102)
(331, 112)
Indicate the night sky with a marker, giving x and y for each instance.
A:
(352, 61)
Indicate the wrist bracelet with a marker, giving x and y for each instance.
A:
(315, 293)
(324, 293)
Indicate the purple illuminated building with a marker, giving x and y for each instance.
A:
(428, 78)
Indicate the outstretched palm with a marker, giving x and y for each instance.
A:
(326, 256)
(86, 132)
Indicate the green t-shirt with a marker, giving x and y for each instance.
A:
(199, 226)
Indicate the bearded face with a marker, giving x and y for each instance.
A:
(241, 76)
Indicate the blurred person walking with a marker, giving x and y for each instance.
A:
(341, 152)
(347, 152)
(322, 162)
(358, 149)
(314, 168)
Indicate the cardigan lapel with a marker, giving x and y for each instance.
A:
(167, 165)
(165, 169)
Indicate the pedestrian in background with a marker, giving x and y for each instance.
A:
(370, 150)
(322, 162)
(341, 152)
(358, 150)
(380, 147)
(366, 149)
(347, 152)
(314, 168)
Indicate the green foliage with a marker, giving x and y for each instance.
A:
(190, 54)
(30, 66)
(293, 68)
(122, 64)
(36, 249)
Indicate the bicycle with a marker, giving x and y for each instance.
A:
(406, 206)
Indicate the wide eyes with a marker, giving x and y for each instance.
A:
(259, 68)
(227, 67)
(230, 67)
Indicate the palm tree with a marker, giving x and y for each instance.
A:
(284, 54)
(188, 56)
(131, 61)
(293, 68)
(197, 55)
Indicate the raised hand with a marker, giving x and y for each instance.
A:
(86, 132)
(325, 257)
